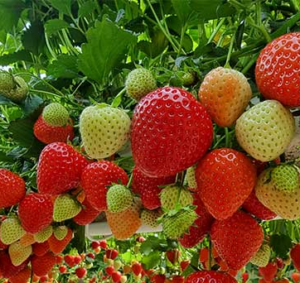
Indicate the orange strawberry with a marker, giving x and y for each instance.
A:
(225, 93)
(22, 276)
(57, 246)
(41, 265)
(87, 215)
(27, 240)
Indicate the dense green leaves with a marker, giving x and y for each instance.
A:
(10, 11)
(55, 25)
(281, 244)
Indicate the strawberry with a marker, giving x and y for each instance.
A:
(262, 257)
(150, 217)
(7, 82)
(18, 253)
(11, 230)
(111, 253)
(296, 277)
(116, 276)
(124, 224)
(57, 246)
(139, 83)
(65, 207)
(7, 269)
(12, 188)
(40, 249)
(103, 244)
(136, 268)
(104, 130)
(27, 240)
(269, 272)
(54, 114)
(225, 178)
(256, 208)
(59, 168)
(21, 277)
(284, 204)
(118, 198)
(245, 277)
(237, 239)
(80, 272)
(204, 255)
(177, 279)
(62, 269)
(60, 232)
(170, 131)
(13, 87)
(209, 276)
(95, 179)
(263, 124)
(87, 214)
(295, 256)
(277, 67)
(184, 264)
(190, 178)
(285, 177)
(158, 278)
(41, 265)
(77, 259)
(173, 255)
(48, 134)
(43, 235)
(30, 209)
(225, 93)
(173, 195)
(200, 227)
(69, 260)
(109, 270)
(149, 188)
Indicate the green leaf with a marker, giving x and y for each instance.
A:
(22, 132)
(281, 244)
(6, 101)
(5, 158)
(64, 67)
(53, 26)
(33, 39)
(3, 36)
(211, 9)
(32, 104)
(86, 9)
(105, 49)
(22, 55)
(10, 11)
(151, 260)
(153, 243)
(63, 6)
(182, 9)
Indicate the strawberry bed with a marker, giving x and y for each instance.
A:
(149, 141)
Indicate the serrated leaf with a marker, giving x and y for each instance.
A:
(151, 260)
(55, 25)
(31, 104)
(105, 49)
(182, 9)
(33, 38)
(87, 8)
(10, 11)
(22, 55)
(63, 6)
(64, 67)
(281, 244)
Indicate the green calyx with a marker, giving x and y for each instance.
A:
(285, 177)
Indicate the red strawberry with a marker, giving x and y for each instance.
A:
(173, 255)
(116, 276)
(177, 279)
(184, 264)
(170, 132)
(35, 212)
(225, 178)
(245, 277)
(136, 268)
(12, 188)
(49, 134)
(204, 255)
(103, 244)
(59, 168)
(237, 239)
(158, 278)
(200, 227)
(80, 272)
(95, 245)
(255, 207)
(277, 70)
(57, 246)
(40, 249)
(87, 214)
(268, 273)
(109, 270)
(69, 260)
(295, 256)
(95, 179)
(149, 188)
(41, 265)
(296, 277)
(7, 269)
(77, 259)
(22, 276)
(111, 253)
(209, 277)
(59, 259)
(62, 269)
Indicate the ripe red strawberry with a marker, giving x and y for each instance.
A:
(35, 212)
(200, 227)
(48, 134)
(69, 260)
(245, 277)
(184, 264)
(158, 278)
(12, 188)
(77, 259)
(255, 207)
(173, 255)
(80, 272)
(209, 277)
(237, 239)
(95, 179)
(41, 265)
(62, 269)
(268, 273)
(225, 178)
(103, 244)
(177, 279)
(57, 246)
(59, 168)
(111, 253)
(116, 276)
(109, 270)
(225, 93)
(7, 269)
(149, 188)
(22, 276)
(87, 214)
(40, 249)
(136, 268)
(277, 70)
(170, 132)
(296, 277)
(295, 256)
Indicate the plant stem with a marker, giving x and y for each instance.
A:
(211, 38)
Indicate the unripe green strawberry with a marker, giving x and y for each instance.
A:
(262, 257)
(11, 230)
(285, 177)
(265, 130)
(19, 92)
(188, 78)
(60, 232)
(104, 130)
(139, 83)
(284, 203)
(43, 235)
(18, 253)
(55, 114)
(6, 83)
(65, 207)
(118, 198)
(173, 194)
(174, 226)
(190, 178)
(149, 217)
